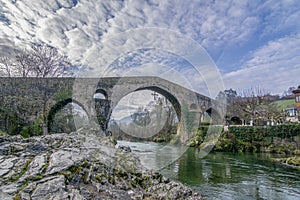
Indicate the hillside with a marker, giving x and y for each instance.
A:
(283, 104)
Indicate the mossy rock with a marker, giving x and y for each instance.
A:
(295, 161)
(159, 139)
(297, 152)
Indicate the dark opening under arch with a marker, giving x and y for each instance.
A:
(236, 120)
(215, 116)
(57, 107)
(100, 92)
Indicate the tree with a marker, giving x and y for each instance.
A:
(230, 95)
(47, 62)
(5, 67)
(255, 103)
(39, 61)
(289, 92)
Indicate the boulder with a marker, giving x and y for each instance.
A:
(79, 165)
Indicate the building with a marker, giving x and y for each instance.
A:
(297, 98)
(291, 114)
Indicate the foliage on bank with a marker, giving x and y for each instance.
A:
(13, 124)
(274, 139)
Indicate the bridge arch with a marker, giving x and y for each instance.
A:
(60, 105)
(216, 117)
(193, 106)
(171, 98)
(149, 130)
(100, 94)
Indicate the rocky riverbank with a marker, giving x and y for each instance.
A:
(80, 165)
(293, 161)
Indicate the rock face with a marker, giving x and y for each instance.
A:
(80, 165)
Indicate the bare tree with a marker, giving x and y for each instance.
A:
(255, 103)
(5, 67)
(40, 61)
(22, 65)
(47, 62)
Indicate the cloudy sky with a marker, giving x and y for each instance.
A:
(249, 42)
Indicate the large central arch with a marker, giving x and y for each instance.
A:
(171, 98)
(156, 123)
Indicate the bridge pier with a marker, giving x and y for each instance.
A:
(103, 112)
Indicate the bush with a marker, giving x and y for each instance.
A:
(33, 129)
(253, 138)
(258, 133)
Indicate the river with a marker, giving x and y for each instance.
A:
(222, 175)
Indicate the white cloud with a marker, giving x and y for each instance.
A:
(83, 30)
(281, 17)
(212, 24)
(274, 67)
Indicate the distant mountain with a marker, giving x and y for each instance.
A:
(138, 116)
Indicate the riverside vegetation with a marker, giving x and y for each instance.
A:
(79, 165)
(281, 139)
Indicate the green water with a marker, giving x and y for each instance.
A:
(235, 176)
(223, 175)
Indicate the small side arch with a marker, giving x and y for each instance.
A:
(236, 120)
(58, 106)
(193, 106)
(100, 94)
(215, 116)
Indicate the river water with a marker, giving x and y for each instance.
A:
(221, 175)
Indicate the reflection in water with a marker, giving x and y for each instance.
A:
(236, 176)
(223, 175)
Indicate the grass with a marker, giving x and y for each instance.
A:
(283, 104)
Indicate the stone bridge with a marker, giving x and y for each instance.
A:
(46, 96)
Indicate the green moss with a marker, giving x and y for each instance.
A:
(45, 167)
(133, 183)
(86, 164)
(297, 152)
(98, 177)
(85, 177)
(136, 182)
(37, 177)
(159, 139)
(17, 197)
(111, 180)
(21, 173)
(294, 161)
(75, 169)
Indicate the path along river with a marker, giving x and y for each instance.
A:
(222, 175)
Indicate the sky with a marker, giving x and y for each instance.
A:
(238, 43)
